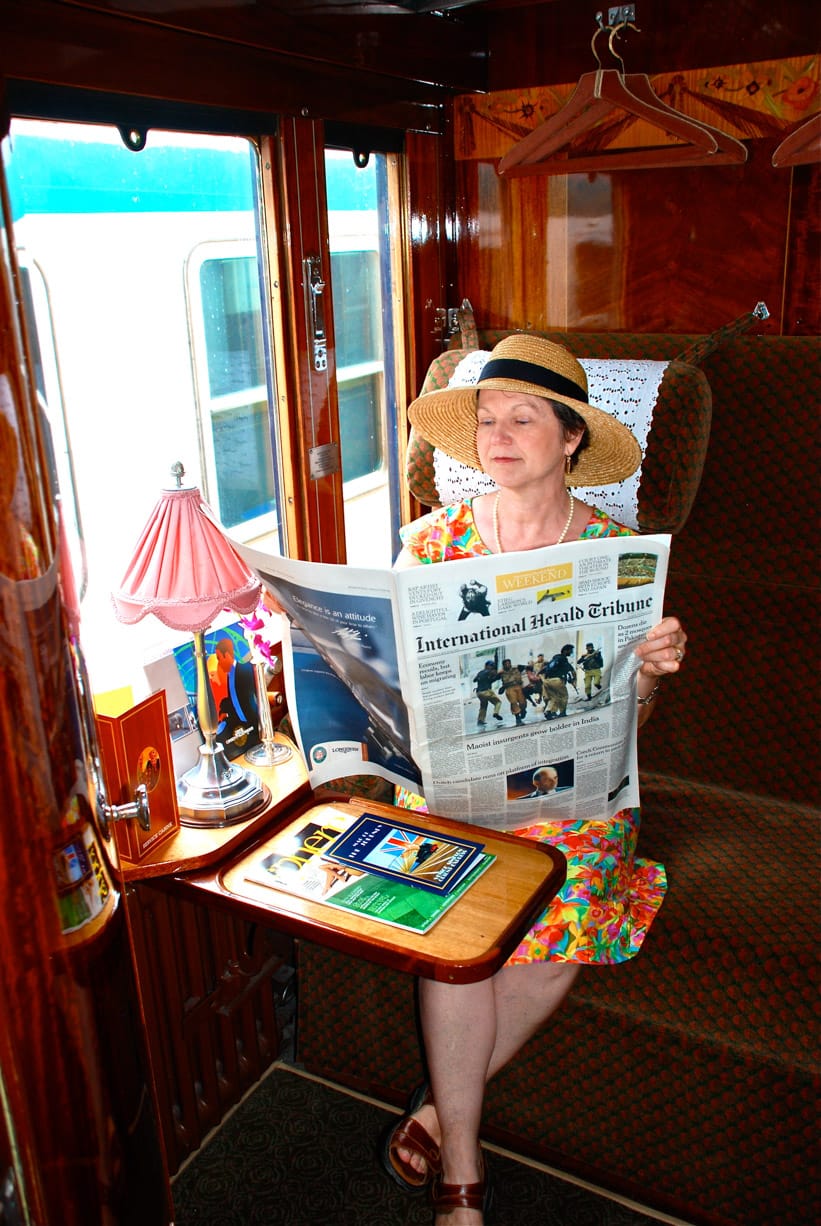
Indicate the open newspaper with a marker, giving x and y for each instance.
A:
(418, 675)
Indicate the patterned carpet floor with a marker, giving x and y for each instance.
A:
(298, 1152)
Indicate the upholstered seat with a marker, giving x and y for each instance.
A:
(690, 1075)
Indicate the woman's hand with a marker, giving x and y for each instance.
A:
(662, 650)
(661, 654)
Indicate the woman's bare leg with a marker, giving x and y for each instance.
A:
(525, 997)
(459, 1029)
(471, 1031)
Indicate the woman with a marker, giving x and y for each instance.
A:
(528, 424)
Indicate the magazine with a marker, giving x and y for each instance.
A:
(295, 860)
(438, 676)
(233, 685)
(397, 851)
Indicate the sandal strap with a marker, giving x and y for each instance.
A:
(409, 1134)
(450, 1196)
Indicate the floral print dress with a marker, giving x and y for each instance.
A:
(610, 898)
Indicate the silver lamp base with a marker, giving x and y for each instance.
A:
(217, 792)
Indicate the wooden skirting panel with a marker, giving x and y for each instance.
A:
(210, 998)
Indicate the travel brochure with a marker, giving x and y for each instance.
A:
(300, 861)
(400, 852)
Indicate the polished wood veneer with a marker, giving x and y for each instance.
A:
(684, 250)
(470, 942)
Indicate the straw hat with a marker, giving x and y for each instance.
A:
(527, 363)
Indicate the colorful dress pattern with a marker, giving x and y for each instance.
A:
(450, 532)
(603, 911)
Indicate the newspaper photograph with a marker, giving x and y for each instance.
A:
(495, 686)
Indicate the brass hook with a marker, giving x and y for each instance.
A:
(600, 30)
(621, 25)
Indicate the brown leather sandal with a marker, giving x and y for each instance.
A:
(449, 1196)
(409, 1134)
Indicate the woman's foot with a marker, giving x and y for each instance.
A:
(457, 1203)
(410, 1149)
(459, 1217)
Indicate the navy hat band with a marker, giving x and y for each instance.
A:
(529, 372)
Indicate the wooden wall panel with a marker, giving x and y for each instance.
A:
(701, 246)
(431, 281)
(682, 249)
(228, 59)
(504, 245)
(419, 48)
(802, 287)
(646, 251)
(210, 1009)
(549, 40)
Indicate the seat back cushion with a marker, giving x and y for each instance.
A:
(674, 433)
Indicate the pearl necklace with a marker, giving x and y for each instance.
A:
(562, 535)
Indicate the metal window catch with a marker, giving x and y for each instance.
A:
(446, 321)
(314, 289)
(139, 808)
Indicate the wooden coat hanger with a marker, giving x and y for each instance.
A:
(596, 95)
(802, 145)
(728, 150)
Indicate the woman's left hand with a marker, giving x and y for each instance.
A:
(663, 648)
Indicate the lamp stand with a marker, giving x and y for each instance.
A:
(215, 792)
(269, 752)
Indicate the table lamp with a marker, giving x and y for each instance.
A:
(185, 571)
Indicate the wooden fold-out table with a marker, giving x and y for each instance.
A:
(471, 941)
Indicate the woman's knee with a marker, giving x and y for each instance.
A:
(554, 975)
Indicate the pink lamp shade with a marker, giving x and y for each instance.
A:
(184, 570)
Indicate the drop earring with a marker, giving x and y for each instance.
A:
(568, 464)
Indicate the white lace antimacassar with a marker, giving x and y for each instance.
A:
(627, 389)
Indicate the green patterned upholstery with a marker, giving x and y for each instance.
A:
(688, 1077)
(744, 580)
(419, 465)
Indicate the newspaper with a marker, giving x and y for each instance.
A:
(407, 652)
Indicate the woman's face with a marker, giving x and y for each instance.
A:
(519, 438)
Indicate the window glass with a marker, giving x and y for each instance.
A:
(242, 446)
(151, 341)
(232, 320)
(362, 286)
(359, 420)
(228, 349)
(356, 289)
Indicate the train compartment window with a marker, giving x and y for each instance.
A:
(155, 345)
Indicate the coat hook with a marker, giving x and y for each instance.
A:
(616, 29)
